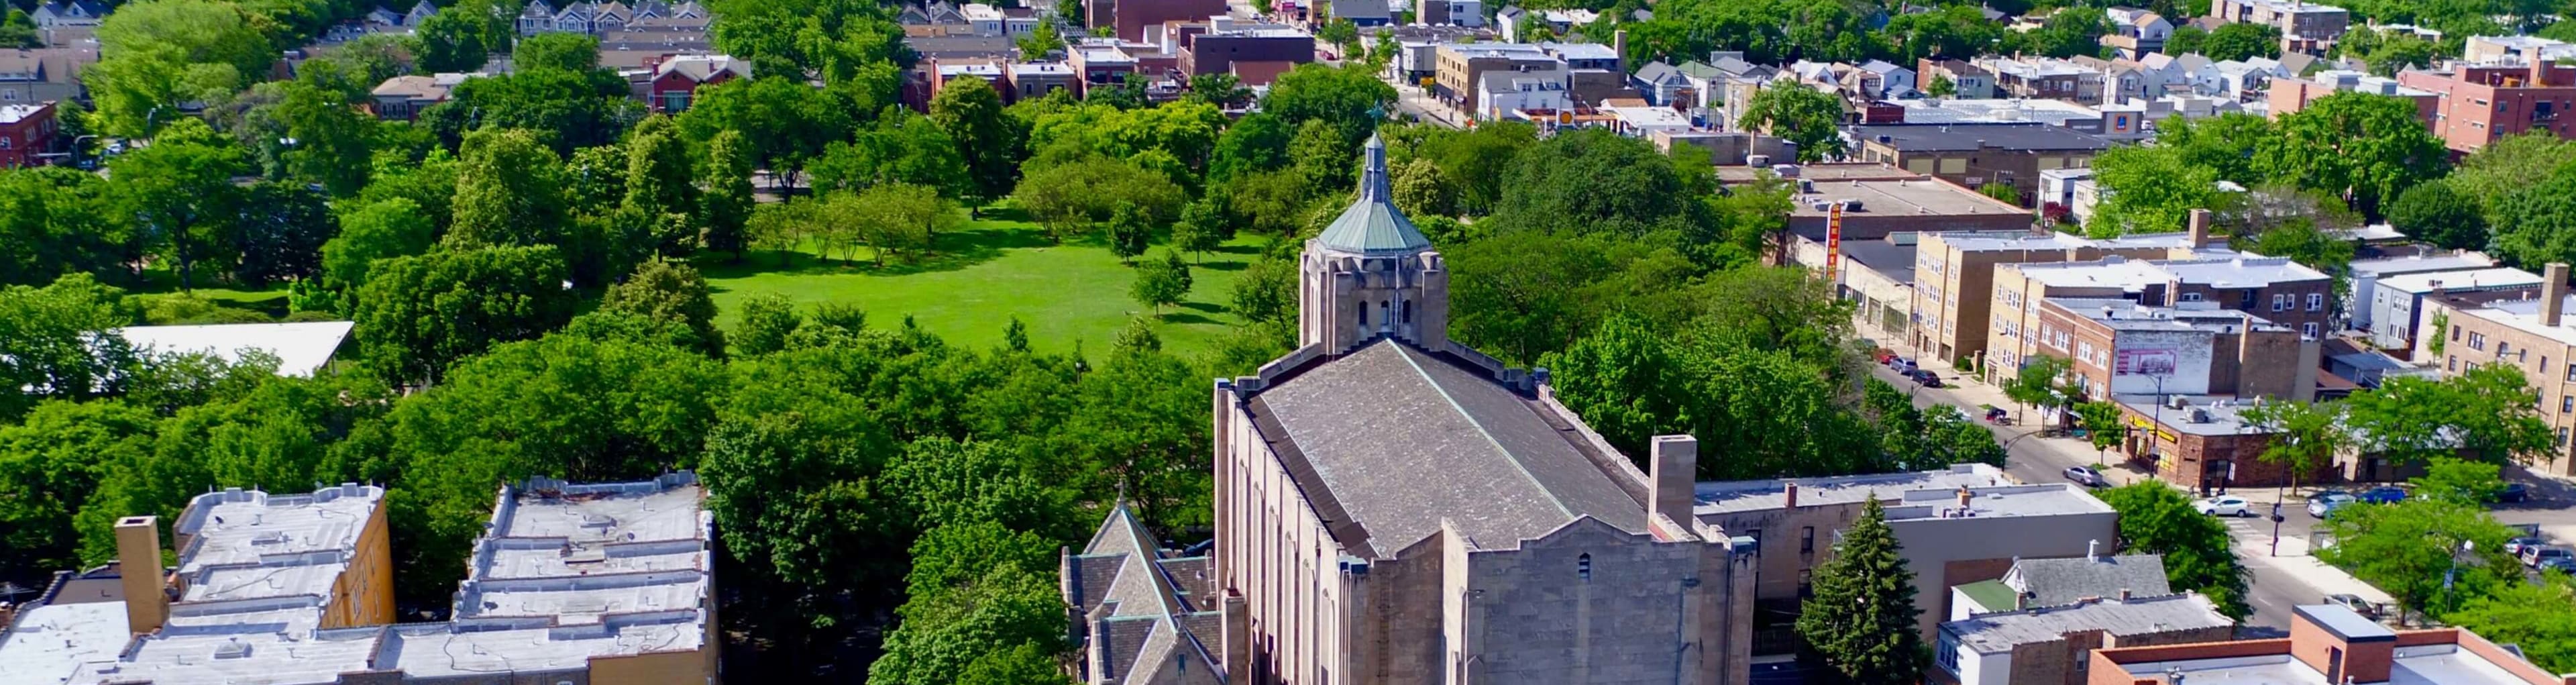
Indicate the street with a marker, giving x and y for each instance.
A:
(1413, 100)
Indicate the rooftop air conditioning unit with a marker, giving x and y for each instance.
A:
(2176, 402)
(2199, 415)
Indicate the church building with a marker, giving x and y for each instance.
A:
(1396, 508)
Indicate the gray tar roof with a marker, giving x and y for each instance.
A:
(1372, 224)
(1397, 440)
(2052, 582)
(2000, 632)
(1756, 495)
(1966, 137)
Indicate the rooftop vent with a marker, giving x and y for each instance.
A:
(233, 649)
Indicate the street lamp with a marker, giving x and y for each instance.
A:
(2449, 578)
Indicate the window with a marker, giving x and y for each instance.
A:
(2478, 341)
(1363, 314)
(2280, 302)
(2191, 297)
(2455, 336)
(2503, 348)
(1583, 566)
(2308, 329)
(2316, 302)
(2562, 437)
(1807, 538)
(2567, 404)
(2451, 363)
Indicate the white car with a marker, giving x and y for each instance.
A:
(2224, 505)
(2324, 505)
(2085, 475)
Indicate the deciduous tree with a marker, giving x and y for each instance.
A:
(1808, 117)
(2156, 518)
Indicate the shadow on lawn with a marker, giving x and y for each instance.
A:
(952, 251)
(1187, 318)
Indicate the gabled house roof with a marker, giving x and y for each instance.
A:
(1657, 72)
(1149, 616)
(2056, 582)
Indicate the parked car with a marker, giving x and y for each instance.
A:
(2324, 504)
(2382, 495)
(2533, 556)
(1925, 378)
(2565, 565)
(1900, 364)
(2224, 505)
(2517, 545)
(1881, 355)
(2085, 475)
(2354, 602)
(2514, 492)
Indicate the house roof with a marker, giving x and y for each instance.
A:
(2052, 582)
(411, 86)
(1372, 224)
(1142, 603)
(1658, 72)
(301, 348)
(702, 67)
(1360, 9)
(1999, 633)
(1367, 434)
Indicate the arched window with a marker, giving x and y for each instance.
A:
(1583, 566)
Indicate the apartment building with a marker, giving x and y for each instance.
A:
(2045, 78)
(2364, 274)
(2327, 644)
(2397, 301)
(1220, 52)
(2483, 102)
(1955, 278)
(2117, 346)
(1959, 525)
(2293, 94)
(1460, 75)
(1966, 80)
(26, 134)
(2304, 26)
(2489, 49)
(2530, 334)
(2274, 288)
(1974, 155)
(1128, 18)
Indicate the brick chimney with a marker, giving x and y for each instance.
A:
(138, 560)
(2199, 228)
(1791, 490)
(1965, 496)
(1676, 471)
(2553, 292)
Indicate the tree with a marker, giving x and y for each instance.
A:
(280, 233)
(1070, 199)
(555, 50)
(2363, 147)
(2305, 436)
(671, 293)
(2001, 191)
(2241, 41)
(2530, 616)
(1859, 624)
(1349, 99)
(180, 190)
(51, 462)
(785, 121)
(970, 112)
(1941, 86)
(2510, 164)
(2438, 213)
(2535, 222)
(1201, 228)
(901, 219)
(155, 56)
(1256, 143)
(418, 315)
(462, 36)
(660, 179)
(2069, 31)
(49, 341)
(17, 30)
(1127, 233)
(904, 149)
(330, 139)
(1808, 117)
(1422, 189)
(2186, 39)
(2036, 383)
(2459, 481)
(1595, 182)
(1138, 337)
(2149, 189)
(1340, 33)
(767, 320)
(1222, 90)
(509, 191)
(382, 229)
(1162, 283)
(58, 220)
(2485, 412)
(2156, 518)
(1038, 44)
(569, 109)
(2411, 548)
(725, 208)
(2101, 422)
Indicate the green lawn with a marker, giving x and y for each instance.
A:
(986, 274)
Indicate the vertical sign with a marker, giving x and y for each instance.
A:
(1833, 242)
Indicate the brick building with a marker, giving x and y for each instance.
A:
(1130, 17)
(2050, 645)
(2483, 102)
(1217, 52)
(26, 134)
(2304, 26)
(2119, 347)
(1974, 155)
(2279, 290)
(1955, 278)
(2201, 441)
(2327, 644)
(2530, 334)
(676, 80)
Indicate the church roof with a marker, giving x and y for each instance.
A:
(1372, 224)
(1142, 603)
(1389, 440)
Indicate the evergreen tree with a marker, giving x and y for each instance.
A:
(1859, 624)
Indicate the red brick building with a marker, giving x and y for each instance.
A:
(676, 80)
(2483, 102)
(26, 131)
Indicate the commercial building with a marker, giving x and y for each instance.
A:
(2327, 644)
(1545, 557)
(2049, 645)
(1959, 525)
(2202, 441)
(2530, 334)
(1460, 74)
(2483, 102)
(2117, 346)
(2362, 303)
(2281, 291)
(26, 134)
(1128, 18)
(2397, 301)
(1955, 296)
(601, 583)
(2304, 26)
(2293, 94)
(1219, 52)
(1974, 155)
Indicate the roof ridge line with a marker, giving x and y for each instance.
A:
(1488, 435)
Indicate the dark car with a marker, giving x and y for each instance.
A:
(1926, 378)
(2382, 495)
(2514, 493)
(2560, 564)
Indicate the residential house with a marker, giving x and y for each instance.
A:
(2122, 79)
(1468, 13)
(1974, 155)
(987, 20)
(1893, 81)
(1594, 72)
(26, 134)
(2482, 102)
(382, 17)
(1661, 83)
(2241, 81)
(2044, 78)
(1036, 79)
(2362, 303)
(2136, 32)
(2049, 645)
(55, 14)
(2304, 26)
(1726, 85)
(1966, 80)
(2523, 49)
(2171, 74)
(2063, 581)
(1363, 13)
(402, 98)
(937, 13)
(44, 74)
(1099, 65)
(676, 80)
(1502, 95)
(1517, 23)
(420, 11)
(2328, 644)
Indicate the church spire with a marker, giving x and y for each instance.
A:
(1372, 225)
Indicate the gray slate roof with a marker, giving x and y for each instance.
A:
(2001, 632)
(1372, 224)
(1122, 582)
(2062, 581)
(1388, 441)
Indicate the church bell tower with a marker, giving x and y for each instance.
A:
(1371, 274)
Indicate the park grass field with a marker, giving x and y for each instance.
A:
(996, 268)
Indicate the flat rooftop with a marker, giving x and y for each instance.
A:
(253, 558)
(240, 658)
(2108, 272)
(2416, 263)
(584, 552)
(440, 649)
(1718, 497)
(1995, 110)
(1900, 197)
(2045, 499)
(2220, 410)
(2125, 315)
(52, 640)
(2524, 314)
(2475, 279)
(2013, 138)
(2000, 632)
(2245, 271)
(2441, 664)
